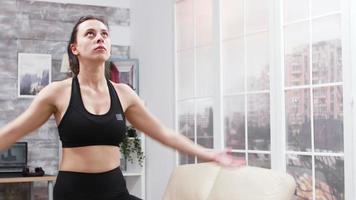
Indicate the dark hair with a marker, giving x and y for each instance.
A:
(73, 60)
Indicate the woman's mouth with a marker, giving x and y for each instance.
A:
(100, 48)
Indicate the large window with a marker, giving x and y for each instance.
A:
(245, 79)
(196, 93)
(224, 53)
(314, 97)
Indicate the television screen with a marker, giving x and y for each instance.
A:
(14, 157)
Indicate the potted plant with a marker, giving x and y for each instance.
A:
(131, 145)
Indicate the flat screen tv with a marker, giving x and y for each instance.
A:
(14, 158)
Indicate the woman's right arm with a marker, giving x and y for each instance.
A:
(37, 114)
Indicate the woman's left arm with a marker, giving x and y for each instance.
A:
(138, 115)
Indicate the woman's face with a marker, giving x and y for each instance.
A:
(93, 41)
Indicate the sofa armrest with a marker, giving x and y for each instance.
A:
(252, 183)
(191, 182)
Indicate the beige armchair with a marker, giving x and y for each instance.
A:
(207, 181)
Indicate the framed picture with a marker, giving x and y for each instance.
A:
(125, 71)
(34, 73)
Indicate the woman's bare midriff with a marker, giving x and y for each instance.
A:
(90, 159)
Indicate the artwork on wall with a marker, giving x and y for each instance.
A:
(34, 73)
(125, 71)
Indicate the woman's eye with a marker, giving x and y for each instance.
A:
(105, 34)
(90, 33)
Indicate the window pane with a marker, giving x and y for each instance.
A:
(205, 123)
(259, 160)
(257, 68)
(186, 118)
(257, 15)
(204, 21)
(233, 65)
(328, 119)
(258, 119)
(327, 57)
(206, 76)
(300, 167)
(295, 10)
(184, 159)
(329, 174)
(234, 122)
(296, 54)
(298, 127)
(184, 24)
(321, 7)
(186, 125)
(185, 71)
(232, 22)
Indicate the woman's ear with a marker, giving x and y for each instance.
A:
(74, 49)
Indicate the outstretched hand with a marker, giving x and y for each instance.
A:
(224, 159)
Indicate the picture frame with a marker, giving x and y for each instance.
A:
(34, 73)
(128, 72)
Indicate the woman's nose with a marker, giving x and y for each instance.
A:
(99, 39)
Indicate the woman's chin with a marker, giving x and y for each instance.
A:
(101, 57)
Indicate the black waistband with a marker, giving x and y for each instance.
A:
(82, 185)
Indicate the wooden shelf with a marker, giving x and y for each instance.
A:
(47, 178)
(132, 174)
(27, 179)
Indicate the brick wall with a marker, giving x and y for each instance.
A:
(40, 27)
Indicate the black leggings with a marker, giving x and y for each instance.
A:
(108, 185)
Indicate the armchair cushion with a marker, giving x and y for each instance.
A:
(252, 183)
(207, 181)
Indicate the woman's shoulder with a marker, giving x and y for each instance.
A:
(126, 94)
(54, 91)
(58, 86)
(123, 88)
(128, 97)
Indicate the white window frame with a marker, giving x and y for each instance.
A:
(349, 20)
(277, 92)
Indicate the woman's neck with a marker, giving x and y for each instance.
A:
(92, 75)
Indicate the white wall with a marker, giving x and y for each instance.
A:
(152, 42)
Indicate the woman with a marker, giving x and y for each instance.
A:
(91, 114)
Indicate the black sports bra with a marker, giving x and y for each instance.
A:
(79, 127)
